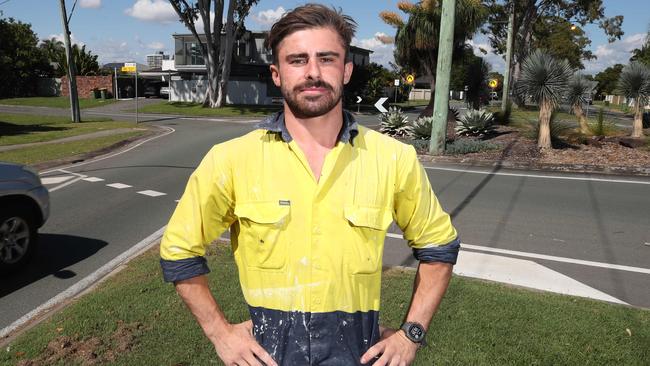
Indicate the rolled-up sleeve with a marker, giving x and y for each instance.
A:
(203, 213)
(426, 226)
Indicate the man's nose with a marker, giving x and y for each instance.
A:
(313, 69)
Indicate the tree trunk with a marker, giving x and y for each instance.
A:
(226, 57)
(544, 139)
(428, 111)
(637, 130)
(582, 120)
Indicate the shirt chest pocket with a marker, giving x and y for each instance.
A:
(368, 226)
(261, 225)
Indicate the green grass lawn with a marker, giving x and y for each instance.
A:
(56, 102)
(40, 154)
(23, 128)
(136, 319)
(195, 109)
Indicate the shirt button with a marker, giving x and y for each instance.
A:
(316, 300)
(317, 230)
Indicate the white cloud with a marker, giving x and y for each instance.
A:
(92, 4)
(382, 53)
(152, 11)
(156, 45)
(618, 52)
(73, 39)
(270, 16)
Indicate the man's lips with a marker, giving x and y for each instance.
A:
(314, 90)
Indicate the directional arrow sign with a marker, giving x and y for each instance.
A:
(358, 99)
(379, 105)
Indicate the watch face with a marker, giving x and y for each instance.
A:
(416, 332)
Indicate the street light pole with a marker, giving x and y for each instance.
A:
(72, 73)
(443, 71)
(506, 78)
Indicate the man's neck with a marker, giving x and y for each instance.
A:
(322, 131)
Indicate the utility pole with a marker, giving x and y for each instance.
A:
(506, 78)
(443, 71)
(72, 74)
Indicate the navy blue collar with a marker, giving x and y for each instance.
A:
(275, 123)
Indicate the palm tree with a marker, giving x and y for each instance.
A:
(634, 84)
(52, 48)
(416, 40)
(544, 80)
(579, 87)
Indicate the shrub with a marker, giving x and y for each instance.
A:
(466, 146)
(421, 128)
(503, 117)
(394, 123)
(476, 123)
(606, 103)
(602, 128)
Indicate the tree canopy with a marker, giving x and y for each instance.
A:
(21, 61)
(608, 79)
(553, 25)
(84, 60)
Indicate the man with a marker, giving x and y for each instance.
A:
(308, 198)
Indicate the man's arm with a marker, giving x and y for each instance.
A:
(431, 281)
(234, 343)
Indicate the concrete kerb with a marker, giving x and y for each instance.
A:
(88, 283)
(643, 171)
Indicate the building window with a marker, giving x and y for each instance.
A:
(193, 54)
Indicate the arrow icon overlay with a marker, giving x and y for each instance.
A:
(379, 105)
(358, 99)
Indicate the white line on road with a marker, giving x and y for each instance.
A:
(77, 175)
(93, 179)
(119, 185)
(169, 131)
(55, 180)
(547, 257)
(151, 193)
(88, 281)
(590, 179)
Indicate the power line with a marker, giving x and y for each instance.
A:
(4, 2)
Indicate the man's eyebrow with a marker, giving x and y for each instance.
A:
(328, 53)
(297, 55)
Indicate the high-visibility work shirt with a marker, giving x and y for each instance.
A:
(309, 251)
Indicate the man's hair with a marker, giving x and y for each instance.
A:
(311, 16)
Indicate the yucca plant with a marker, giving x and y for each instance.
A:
(634, 83)
(394, 123)
(421, 128)
(544, 79)
(476, 123)
(555, 128)
(579, 88)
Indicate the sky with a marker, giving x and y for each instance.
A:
(128, 30)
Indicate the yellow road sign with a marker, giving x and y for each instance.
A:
(493, 83)
(410, 79)
(128, 69)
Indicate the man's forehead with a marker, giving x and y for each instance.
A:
(311, 41)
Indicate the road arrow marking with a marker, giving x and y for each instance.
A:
(379, 105)
(358, 99)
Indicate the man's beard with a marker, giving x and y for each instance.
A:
(309, 106)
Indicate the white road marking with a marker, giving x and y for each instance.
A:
(522, 272)
(118, 185)
(86, 282)
(151, 193)
(55, 180)
(588, 179)
(547, 257)
(77, 175)
(169, 131)
(93, 179)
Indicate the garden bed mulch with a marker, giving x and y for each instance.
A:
(516, 150)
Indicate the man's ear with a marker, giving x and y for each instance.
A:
(347, 73)
(275, 75)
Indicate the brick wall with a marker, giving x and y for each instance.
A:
(86, 84)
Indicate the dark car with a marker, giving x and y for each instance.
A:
(152, 90)
(24, 208)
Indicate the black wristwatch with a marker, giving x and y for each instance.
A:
(414, 332)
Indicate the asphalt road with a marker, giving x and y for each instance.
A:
(570, 217)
